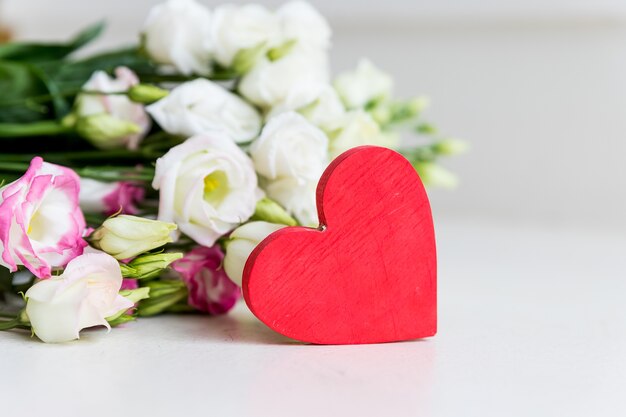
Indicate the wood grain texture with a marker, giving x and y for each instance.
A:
(368, 274)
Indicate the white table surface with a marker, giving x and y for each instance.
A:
(532, 323)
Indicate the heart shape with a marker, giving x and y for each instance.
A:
(368, 274)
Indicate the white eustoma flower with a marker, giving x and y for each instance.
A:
(319, 103)
(291, 155)
(238, 27)
(117, 106)
(240, 244)
(302, 22)
(178, 33)
(358, 128)
(297, 197)
(82, 296)
(290, 147)
(207, 186)
(201, 105)
(363, 85)
(269, 82)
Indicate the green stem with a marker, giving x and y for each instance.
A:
(19, 167)
(103, 93)
(155, 137)
(99, 173)
(43, 128)
(164, 78)
(83, 155)
(176, 78)
(10, 324)
(115, 174)
(39, 98)
(48, 97)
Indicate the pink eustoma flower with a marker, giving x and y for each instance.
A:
(210, 289)
(125, 198)
(41, 224)
(110, 197)
(129, 284)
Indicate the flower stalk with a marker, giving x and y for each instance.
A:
(43, 128)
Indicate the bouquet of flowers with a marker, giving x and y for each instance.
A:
(137, 182)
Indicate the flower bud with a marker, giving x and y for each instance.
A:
(426, 129)
(136, 295)
(245, 59)
(69, 121)
(270, 211)
(240, 245)
(163, 295)
(148, 266)
(280, 51)
(406, 110)
(450, 147)
(125, 315)
(146, 93)
(418, 104)
(105, 131)
(126, 236)
(381, 114)
(435, 175)
(366, 84)
(209, 288)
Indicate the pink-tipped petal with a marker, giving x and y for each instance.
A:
(210, 289)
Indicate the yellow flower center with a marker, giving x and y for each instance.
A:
(211, 182)
(33, 219)
(215, 187)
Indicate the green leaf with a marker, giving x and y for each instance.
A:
(59, 103)
(18, 83)
(87, 35)
(70, 76)
(38, 52)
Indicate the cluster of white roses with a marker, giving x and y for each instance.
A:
(282, 59)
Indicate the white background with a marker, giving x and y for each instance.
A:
(531, 324)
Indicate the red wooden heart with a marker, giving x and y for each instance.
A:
(368, 274)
